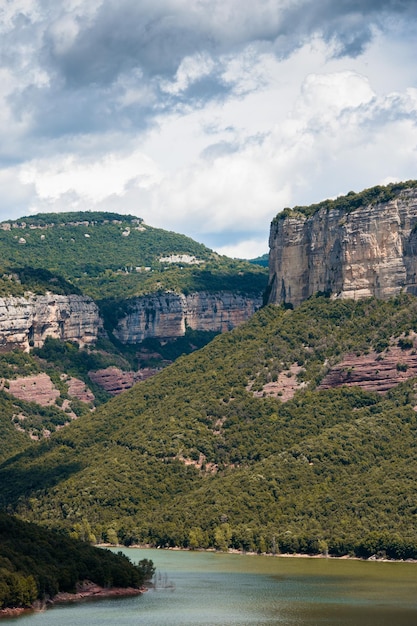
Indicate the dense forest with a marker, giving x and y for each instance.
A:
(202, 456)
(36, 564)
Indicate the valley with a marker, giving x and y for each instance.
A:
(203, 419)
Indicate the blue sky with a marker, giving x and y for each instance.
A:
(203, 117)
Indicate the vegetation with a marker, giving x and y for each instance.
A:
(36, 564)
(351, 201)
(111, 256)
(261, 260)
(192, 457)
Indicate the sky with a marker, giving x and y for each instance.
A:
(205, 117)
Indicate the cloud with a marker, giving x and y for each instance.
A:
(94, 181)
(203, 116)
(246, 249)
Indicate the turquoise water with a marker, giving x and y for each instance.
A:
(208, 589)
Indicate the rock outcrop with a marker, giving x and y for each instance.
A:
(370, 250)
(169, 314)
(38, 388)
(373, 371)
(27, 321)
(114, 380)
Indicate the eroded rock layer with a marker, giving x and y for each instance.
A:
(168, 315)
(373, 371)
(27, 321)
(369, 251)
(114, 380)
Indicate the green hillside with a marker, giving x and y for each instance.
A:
(107, 255)
(199, 455)
(36, 564)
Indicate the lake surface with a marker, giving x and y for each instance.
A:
(209, 589)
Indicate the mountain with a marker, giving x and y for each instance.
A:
(99, 301)
(236, 445)
(356, 246)
(107, 255)
(79, 272)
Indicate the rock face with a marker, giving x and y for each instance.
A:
(373, 372)
(168, 315)
(38, 388)
(115, 380)
(369, 251)
(26, 322)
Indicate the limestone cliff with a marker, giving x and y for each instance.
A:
(27, 321)
(347, 249)
(169, 314)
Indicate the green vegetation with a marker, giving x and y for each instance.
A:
(111, 256)
(36, 564)
(351, 201)
(193, 458)
(12, 440)
(261, 260)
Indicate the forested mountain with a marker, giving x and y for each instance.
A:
(107, 255)
(237, 445)
(92, 302)
(36, 564)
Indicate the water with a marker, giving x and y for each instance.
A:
(207, 589)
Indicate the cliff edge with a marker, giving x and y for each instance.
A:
(356, 246)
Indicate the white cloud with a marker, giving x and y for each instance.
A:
(165, 110)
(93, 180)
(246, 249)
(191, 69)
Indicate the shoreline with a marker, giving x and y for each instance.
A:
(286, 555)
(86, 591)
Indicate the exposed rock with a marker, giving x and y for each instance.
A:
(27, 321)
(373, 371)
(284, 387)
(168, 315)
(79, 390)
(370, 251)
(38, 388)
(114, 380)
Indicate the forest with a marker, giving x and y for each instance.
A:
(202, 456)
(36, 564)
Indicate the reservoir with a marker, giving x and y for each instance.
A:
(212, 589)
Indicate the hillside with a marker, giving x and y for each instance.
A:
(37, 564)
(99, 301)
(107, 255)
(236, 446)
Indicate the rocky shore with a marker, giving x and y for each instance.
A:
(85, 591)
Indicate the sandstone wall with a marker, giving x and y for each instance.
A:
(28, 321)
(371, 251)
(169, 314)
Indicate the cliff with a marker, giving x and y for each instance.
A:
(168, 315)
(358, 246)
(27, 321)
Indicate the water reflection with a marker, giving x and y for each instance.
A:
(207, 589)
